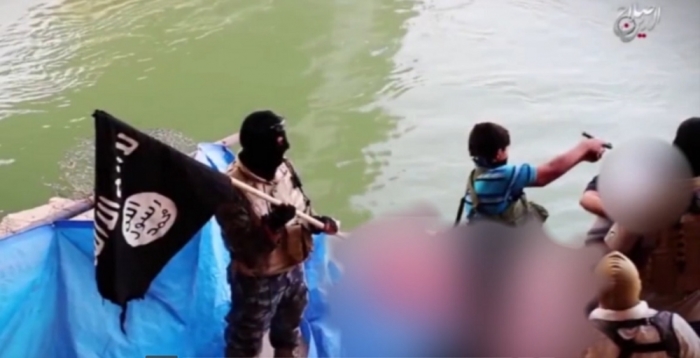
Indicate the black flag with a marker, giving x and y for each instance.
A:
(150, 199)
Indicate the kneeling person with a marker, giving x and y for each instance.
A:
(629, 327)
(669, 259)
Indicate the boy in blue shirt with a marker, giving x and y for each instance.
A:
(495, 189)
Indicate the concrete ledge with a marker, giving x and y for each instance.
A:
(18, 221)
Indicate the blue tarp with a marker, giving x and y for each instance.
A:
(50, 307)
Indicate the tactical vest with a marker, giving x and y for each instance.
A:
(259, 255)
(519, 210)
(672, 266)
(662, 322)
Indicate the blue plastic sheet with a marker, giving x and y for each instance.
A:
(50, 307)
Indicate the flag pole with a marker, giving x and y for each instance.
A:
(304, 216)
(83, 205)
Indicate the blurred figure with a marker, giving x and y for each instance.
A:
(474, 291)
(644, 184)
(629, 327)
(518, 279)
(687, 141)
(669, 259)
(495, 189)
(398, 294)
(590, 201)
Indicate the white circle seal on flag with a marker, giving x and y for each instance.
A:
(147, 217)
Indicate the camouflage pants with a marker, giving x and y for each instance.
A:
(261, 303)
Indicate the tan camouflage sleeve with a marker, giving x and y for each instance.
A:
(243, 231)
(304, 205)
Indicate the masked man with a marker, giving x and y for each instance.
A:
(629, 327)
(268, 243)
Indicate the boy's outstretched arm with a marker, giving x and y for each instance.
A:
(589, 149)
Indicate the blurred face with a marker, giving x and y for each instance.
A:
(645, 185)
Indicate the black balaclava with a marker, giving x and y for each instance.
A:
(264, 143)
(688, 141)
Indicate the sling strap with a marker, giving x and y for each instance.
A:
(519, 207)
(296, 182)
(662, 322)
(463, 201)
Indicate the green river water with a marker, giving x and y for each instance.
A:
(379, 94)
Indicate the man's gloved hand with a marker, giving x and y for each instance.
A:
(279, 216)
(330, 225)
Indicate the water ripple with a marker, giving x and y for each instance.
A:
(32, 58)
(54, 47)
(546, 69)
